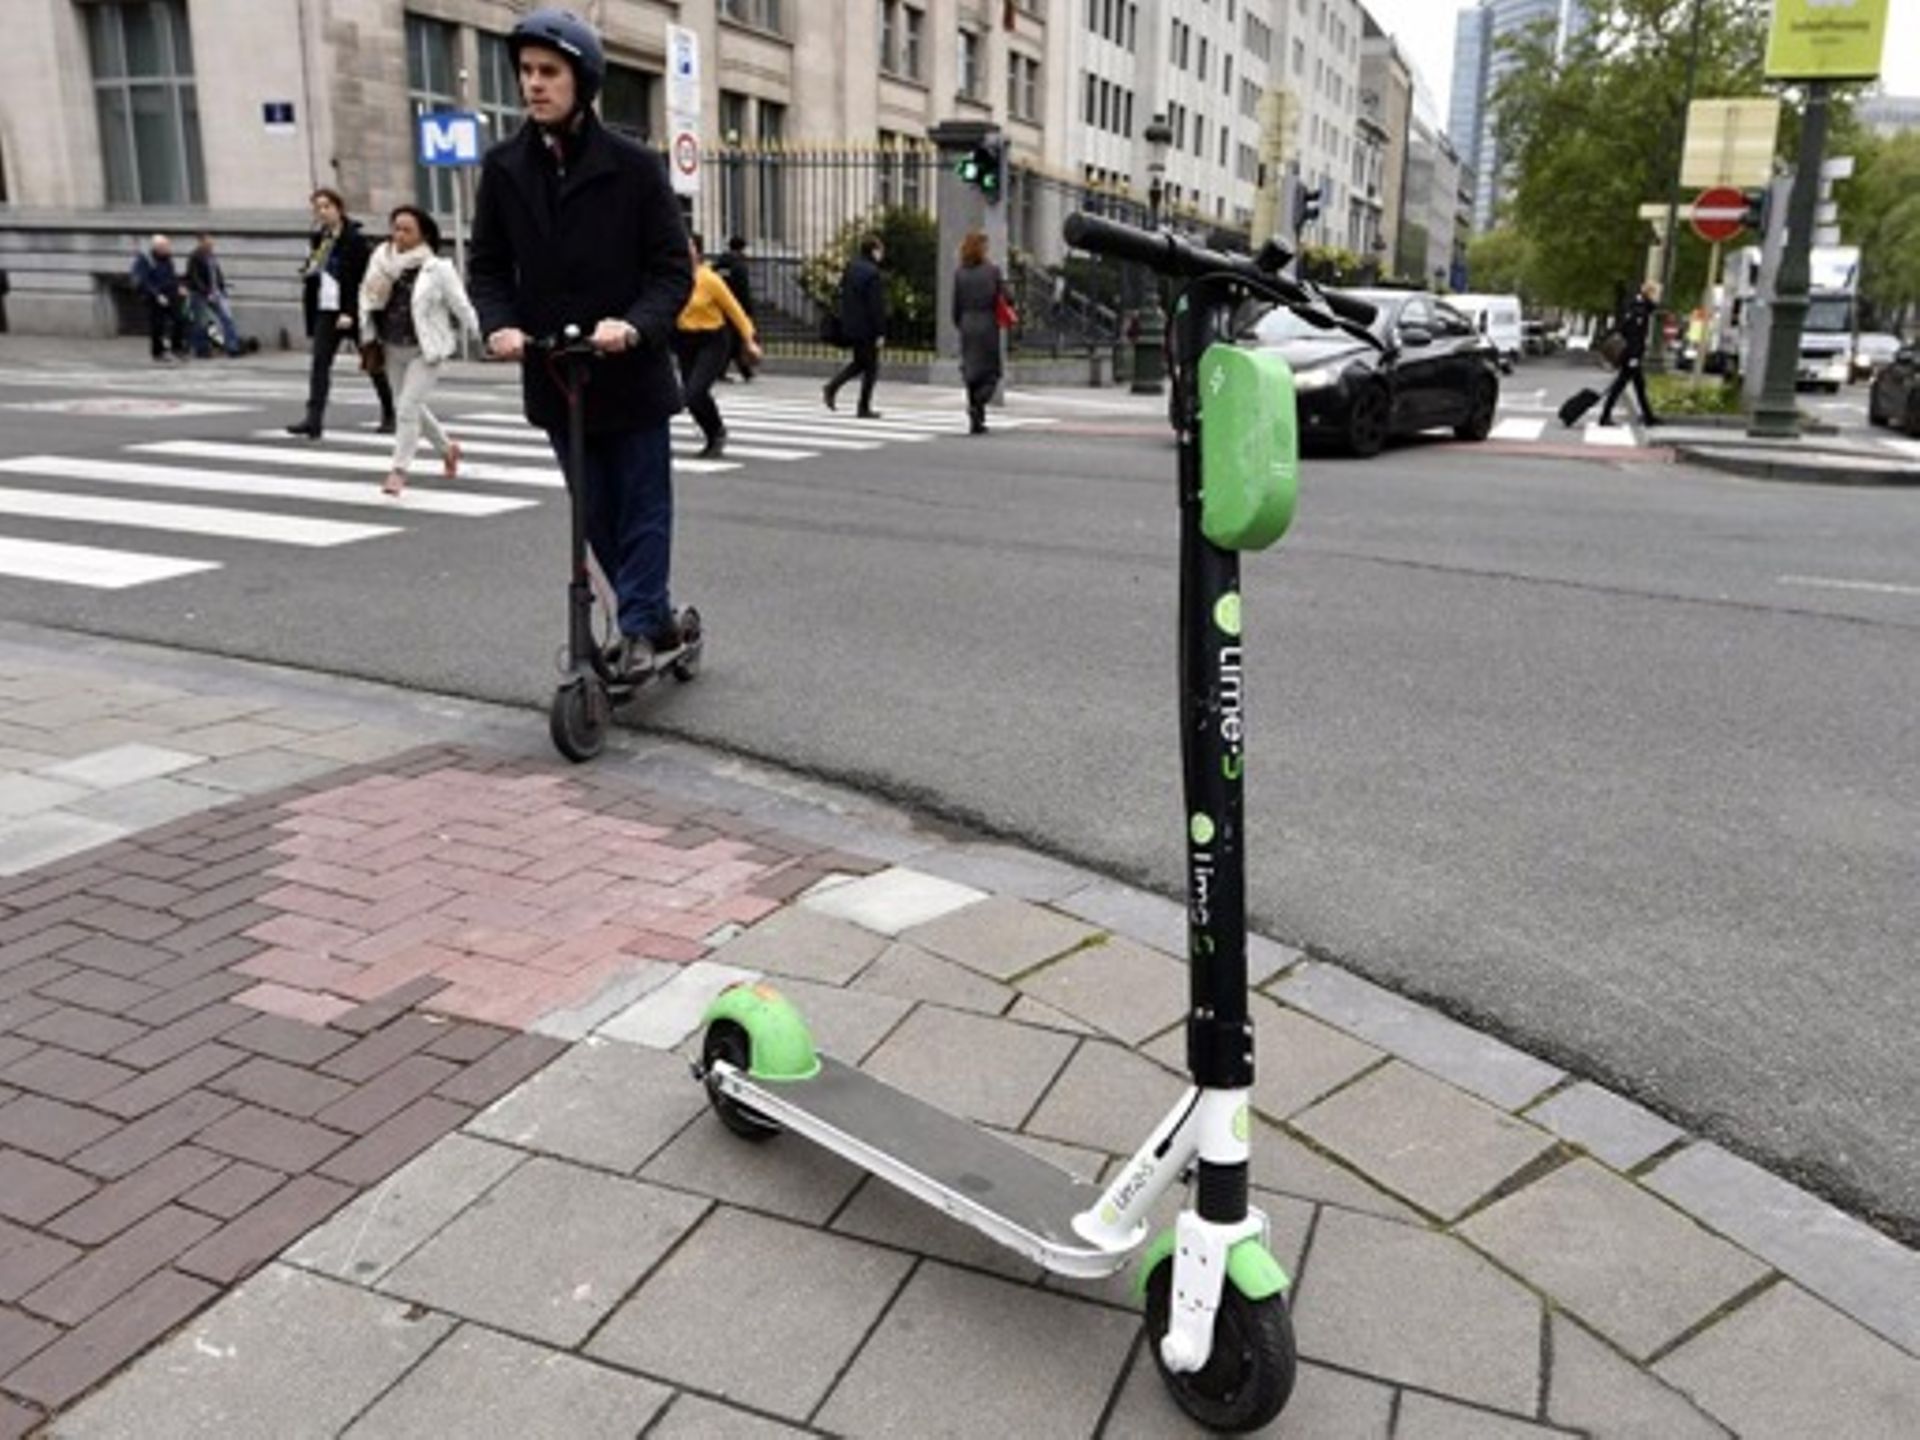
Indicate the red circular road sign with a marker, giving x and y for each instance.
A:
(686, 152)
(1719, 214)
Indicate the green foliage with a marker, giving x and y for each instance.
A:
(1333, 265)
(1595, 133)
(1880, 211)
(1682, 395)
(912, 241)
(1498, 261)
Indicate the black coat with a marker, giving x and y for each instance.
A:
(1635, 321)
(603, 242)
(732, 268)
(348, 265)
(863, 302)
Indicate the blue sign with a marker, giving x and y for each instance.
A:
(450, 137)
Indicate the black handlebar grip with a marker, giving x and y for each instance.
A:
(1123, 242)
(1348, 308)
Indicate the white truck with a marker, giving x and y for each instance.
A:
(1827, 336)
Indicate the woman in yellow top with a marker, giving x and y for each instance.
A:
(704, 349)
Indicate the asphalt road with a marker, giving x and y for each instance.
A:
(1616, 757)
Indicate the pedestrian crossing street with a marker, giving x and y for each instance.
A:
(201, 488)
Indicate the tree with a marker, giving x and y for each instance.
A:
(1498, 261)
(1590, 135)
(1880, 212)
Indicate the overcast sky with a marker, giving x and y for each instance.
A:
(1424, 29)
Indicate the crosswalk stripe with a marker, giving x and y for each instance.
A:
(1621, 439)
(312, 457)
(91, 566)
(254, 483)
(186, 519)
(1519, 430)
(526, 434)
(941, 420)
(539, 451)
(799, 418)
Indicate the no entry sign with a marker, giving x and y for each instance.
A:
(1719, 214)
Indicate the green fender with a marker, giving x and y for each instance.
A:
(778, 1039)
(1250, 1267)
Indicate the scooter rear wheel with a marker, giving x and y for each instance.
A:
(578, 719)
(727, 1041)
(1248, 1377)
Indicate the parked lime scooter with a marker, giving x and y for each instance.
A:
(1216, 1309)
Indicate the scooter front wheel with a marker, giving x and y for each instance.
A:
(688, 665)
(578, 719)
(1248, 1377)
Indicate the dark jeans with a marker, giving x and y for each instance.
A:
(163, 326)
(328, 337)
(866, 364)
(629, 475)
(980, 394)
(1631, 372)
(703, 358)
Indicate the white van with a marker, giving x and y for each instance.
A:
(1498, 318)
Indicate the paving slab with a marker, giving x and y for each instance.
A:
(1325, 1405)
(846, 1024)
(1004, 870)
(1423, 1417)
(1107, 1098)
(1614, 1129)
(1285, 1164)
(1630, 1265)
(1786, 1366)
(985, 1070)
(894, 900)
(121, 765)
(804, 943)
(1137, 914)
(759, 1310)
(548, 1252)
(910, 973)
(37, 840)
(1479, 1063)
(148, 802)
(482, 1385)
(1119, 986)
(1297, 1059)
(287, 1356)
(881, 1213)
(22, 795)
(1029, 1011)
(694, 1417)
(1592, 1387)
(1849, 1264)
(602, 1103)
(622, 992)
(259, 771)
(964, 1355)
(381, 1228)
(1001, 936)
(1418, 1308)
(668, 1014)
(787, 1176)
(1422, 1138)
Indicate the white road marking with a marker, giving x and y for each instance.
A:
(87, 565)
(1517, 429)
(185, 519)
(1875, 587)
(428, 500)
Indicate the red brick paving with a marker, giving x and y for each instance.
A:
(215, 1034)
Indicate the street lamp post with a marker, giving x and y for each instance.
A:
(1149, 347)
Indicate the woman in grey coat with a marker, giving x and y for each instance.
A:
(976, 314)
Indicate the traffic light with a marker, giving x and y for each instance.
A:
(1757, 204)
(1306, 206)
(984, 166)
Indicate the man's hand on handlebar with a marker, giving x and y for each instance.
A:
(611, 337)
(507, 343)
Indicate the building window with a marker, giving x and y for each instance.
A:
(499, 106)
(910, 42)
(1023, 87)
(144, 94)
(430, 87)
(889, 16)
(970, 64)
(626, 102)
(773, 195)
(761, 14)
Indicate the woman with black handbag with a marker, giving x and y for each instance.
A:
(330, 299)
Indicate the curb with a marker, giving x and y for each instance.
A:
(1820, 467)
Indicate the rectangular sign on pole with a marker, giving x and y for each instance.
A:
(449, 137)
(1730, 142)
(1826, 39)
(683, 109)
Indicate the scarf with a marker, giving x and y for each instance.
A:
(387, 266)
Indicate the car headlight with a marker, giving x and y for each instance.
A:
(1318, 378)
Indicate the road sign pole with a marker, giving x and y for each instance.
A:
(1706, 309)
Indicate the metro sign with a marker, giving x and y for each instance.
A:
(1719, 214)
(450, 137)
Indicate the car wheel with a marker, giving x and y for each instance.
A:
(1480, 407)
(1367, 422)
(1912, 421)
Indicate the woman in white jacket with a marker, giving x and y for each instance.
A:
(414, 302)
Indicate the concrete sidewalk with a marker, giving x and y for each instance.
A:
(342, 1092)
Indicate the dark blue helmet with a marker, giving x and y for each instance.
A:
(566, 32)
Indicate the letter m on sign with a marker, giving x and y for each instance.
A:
(450, 137)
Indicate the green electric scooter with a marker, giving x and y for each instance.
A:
(1216, 1308)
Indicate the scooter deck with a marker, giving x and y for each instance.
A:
(974, 1176)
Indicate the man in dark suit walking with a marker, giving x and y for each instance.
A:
(576, 226)
(1635, 322)
(863, 323)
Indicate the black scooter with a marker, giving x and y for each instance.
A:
(593, 686)
(1216, 1313)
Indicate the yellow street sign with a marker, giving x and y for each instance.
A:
(1729, 142)
(1826, 39)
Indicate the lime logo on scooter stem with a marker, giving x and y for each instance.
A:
(1226, 613)
(1201, 828)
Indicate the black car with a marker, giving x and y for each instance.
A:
(1435, 370)
(1895, 396)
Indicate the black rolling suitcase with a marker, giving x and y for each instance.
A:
(1578, 404)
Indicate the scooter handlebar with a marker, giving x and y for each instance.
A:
(570, 341)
